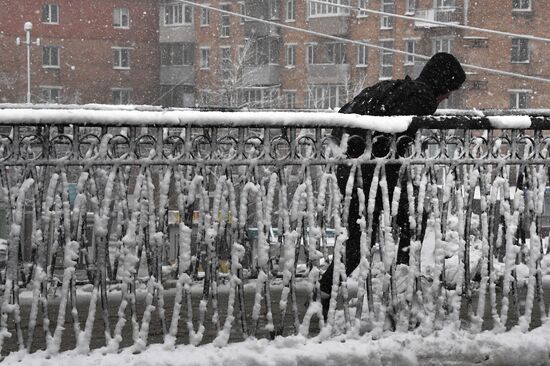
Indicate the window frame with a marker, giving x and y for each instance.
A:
(182, 13)
(289, 93)
(387, 21)
(118, 59)
(310, 53)
(205, 17)
(521, 7)
(410, 7)
(49, 89)
(410, 59)
(128, 92)
(47, 13)
(516, 51)
(290, 55)
(225, 29)
(290, 11)
(49, 64)
(362, 55)
(362, 4)
(120, 17)
(320, 10)
(517, 94)
(386, 43)
(204, 65)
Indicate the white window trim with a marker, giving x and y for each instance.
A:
(380, 77)
(339, 12)
(520, 91)
(361, 14)
(50, 87)
(229, 17)
(528, 56)
(415, 40)
(120, 16)
(49, 11)
(129, 58)
(182, 16)
(407, 12)
(367, 55)
(58, 66)
(290, 20)
(286, 46)
(200, 15)
(129, 90)
(526, 10)
(200, 58)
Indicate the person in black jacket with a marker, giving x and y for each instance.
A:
(440, 76)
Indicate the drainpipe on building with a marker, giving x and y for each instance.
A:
(466, 6)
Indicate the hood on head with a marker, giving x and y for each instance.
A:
(443, 73)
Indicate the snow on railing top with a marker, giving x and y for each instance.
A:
(99, 115)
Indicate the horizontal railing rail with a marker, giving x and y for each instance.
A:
(125, 227)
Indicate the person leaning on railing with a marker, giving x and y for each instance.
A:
(440, 76)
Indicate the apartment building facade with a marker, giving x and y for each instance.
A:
(182, 55)
(89, 52)
(241, 62)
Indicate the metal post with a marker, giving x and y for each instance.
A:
(28, 42)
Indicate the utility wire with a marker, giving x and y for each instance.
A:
(453, 25)
(362, 43)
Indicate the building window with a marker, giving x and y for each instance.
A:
(362, 4)
(242, 11)
(51, 94)
(50, 13)
(290, 10)
(274, 9)
(177, 14)
(442, 45)
(121, 96)
(445, 4)
(205, 58)
(50, 56)
(290, 99)
(334, 53)
(177, 54)
(386, 60)
(410, 6)
(205, 17)
(519, 99)
(325, 96)
(521, 4)
(362, 55)
(177, 96)
(310, 54)
(410, 48)
(386, 21)
(520, 50)
(224, 24)
(121, 58)
(260, 97)
(121, 18)
(320, 9)
(291, 55)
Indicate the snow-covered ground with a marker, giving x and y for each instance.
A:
(445, 347)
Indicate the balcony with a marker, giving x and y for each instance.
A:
(177, 33)
(177, 75)
(327, 73)
(269, 74)
(447, 15)
(258, 29)
(337, 25)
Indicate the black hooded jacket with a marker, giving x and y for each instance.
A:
(441, 75)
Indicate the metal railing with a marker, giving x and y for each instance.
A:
(116, 206)
(444, 15)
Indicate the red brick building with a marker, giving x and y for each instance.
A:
(90, 52)
(176, 54)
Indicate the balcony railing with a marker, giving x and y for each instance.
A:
(241, 212)
(426, 18)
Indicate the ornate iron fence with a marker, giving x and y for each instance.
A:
(123, 203)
